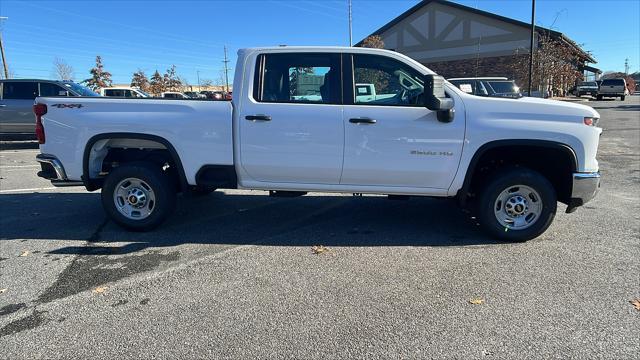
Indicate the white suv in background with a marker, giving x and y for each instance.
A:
(124, 92)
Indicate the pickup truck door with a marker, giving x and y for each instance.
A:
(393, 140)
(291, 126)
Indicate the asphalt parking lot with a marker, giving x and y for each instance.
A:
(233, 275)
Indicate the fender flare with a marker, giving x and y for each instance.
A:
(92, 184)
(461, 195)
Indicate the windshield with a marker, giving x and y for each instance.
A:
(143, 93)
(613, 82)
(79, 89)
(588, 83)
(504, 87)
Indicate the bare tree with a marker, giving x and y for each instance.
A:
(62, 70)
(171, 80)
(554, 65)
(205, 83)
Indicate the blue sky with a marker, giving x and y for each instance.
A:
(191, 34)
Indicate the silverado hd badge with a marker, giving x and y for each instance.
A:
(431, 153)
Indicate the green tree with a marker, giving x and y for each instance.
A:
(157, 85)
(373, 41)
(99, 77)
(140, 80)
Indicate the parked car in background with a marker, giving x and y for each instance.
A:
(16, 102)
(173, 95)
(215, 95)
(488, 86)
(126, 92)
(587, 88)
(194, 95)
(613, 88)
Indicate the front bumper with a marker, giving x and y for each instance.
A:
(585, 188)
(53, 170)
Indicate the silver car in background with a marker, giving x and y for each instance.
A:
(16, 102)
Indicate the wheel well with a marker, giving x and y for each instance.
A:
(104, 154)
(556, 163)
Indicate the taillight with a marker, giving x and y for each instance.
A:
(39, 110)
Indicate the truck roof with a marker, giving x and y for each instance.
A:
(339, 49)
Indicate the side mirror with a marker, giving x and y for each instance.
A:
(436, 99)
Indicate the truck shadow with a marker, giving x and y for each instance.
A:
(241, 219)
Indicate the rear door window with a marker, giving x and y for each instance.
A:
(299, 78)
(49, 89)
(17, 90)
(613, 82)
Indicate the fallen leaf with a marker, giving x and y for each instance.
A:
(25, 253)
(476, 301)
(99, 289)
(3, 290)
(320, 249)
(636, 304)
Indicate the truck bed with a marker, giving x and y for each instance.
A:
(200, 131)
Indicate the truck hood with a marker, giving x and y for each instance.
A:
(530, 108)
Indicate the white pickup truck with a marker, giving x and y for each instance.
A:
(509, 160)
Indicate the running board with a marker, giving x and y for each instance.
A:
(288, 194)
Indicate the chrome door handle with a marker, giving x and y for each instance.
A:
(364, 120)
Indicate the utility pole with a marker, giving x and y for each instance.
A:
(533, 32)
(198, 76)
(626, 66)
(350, 26)
(226, 69)
(4, 58)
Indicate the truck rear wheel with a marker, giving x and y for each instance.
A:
(138, 196)
(517, 205)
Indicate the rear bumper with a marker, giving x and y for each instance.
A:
(53, 170)
(585, 188)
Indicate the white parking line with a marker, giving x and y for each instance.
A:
(18, 166)
(28, 190)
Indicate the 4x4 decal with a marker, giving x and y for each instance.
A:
(70, 106)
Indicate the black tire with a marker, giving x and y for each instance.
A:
(502, 181)
(622, 98)
(599, 97)
(152, 176)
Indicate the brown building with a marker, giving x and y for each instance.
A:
(458, 41)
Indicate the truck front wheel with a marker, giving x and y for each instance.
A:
(517, 205)
(138, 196)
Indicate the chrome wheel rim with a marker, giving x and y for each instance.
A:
(134, 198)
(518, 207)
